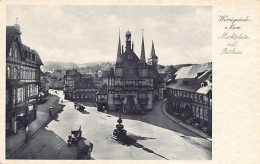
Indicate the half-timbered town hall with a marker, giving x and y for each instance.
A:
(130, 84)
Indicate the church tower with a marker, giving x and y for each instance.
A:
(153, 60)
(143, 67)
(119, 66)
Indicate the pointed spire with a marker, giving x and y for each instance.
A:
(142, 58)
(118, 58)
(153, 55)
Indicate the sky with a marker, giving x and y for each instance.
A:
(84, 34)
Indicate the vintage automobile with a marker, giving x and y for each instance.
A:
(51, 111)
(81, 108)
(190, 120)
(74, 135)
(197, 123)
(85, 148)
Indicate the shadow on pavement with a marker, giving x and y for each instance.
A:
(135, 137)
(129, 141)
(157, 118)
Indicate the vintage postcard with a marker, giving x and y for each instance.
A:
(123, 81)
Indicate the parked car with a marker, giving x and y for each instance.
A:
(74, 135)
(197, 123)
(190, 120)
(51, 111)
(81, 108)
(206, 128)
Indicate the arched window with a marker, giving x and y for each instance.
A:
(8, 73)
(15, 73)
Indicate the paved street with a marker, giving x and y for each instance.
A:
(157, 137)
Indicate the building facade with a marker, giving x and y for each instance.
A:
(130, 84)
(84, 90)
(71, 77)
(44, 85)
(22, 80)
(56, 80)
(190, 97)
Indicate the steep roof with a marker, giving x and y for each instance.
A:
(153, 55)
(103, 90)
(105, 74)
(85, 83)
(88, 75)
(153, 72)
(190, 84)
(111, 72)
(130, 66)
(193, 71)
(72, 73)
(38, 58)
(10, 34)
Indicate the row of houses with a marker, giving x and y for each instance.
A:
(189, 95)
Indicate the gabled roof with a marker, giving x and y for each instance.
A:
(38, 58)
(103, 90)
(130, 66)
(193, 71)
(72, 73)
(105, 74)
(111, 73)
(88, 75)
(85, 83)
(42, 73)
(153, 72)
(10, 34)
(189, 84)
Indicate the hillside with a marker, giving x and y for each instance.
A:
(86, 67)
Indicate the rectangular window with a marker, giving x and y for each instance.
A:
(193, 110)
(197, 112)
(206, 114)
(19, 94)
(201, 113)
(14, 95)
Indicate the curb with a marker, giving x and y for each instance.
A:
(35, 133)
(180, 123)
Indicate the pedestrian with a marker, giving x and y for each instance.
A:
(26, 133)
